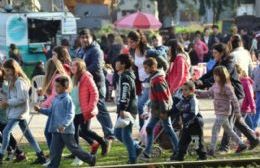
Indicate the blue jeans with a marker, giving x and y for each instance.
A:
(125, 136)
(103, 114)
(59, 141)
(47, 134)
(256, 117)
(26, 131)
(249, 120)
(167, 125)
(142, 101)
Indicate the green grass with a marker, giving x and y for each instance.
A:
(118, 155)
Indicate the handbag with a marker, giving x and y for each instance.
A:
(123, 122)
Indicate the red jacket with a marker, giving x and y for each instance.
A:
(88, 96)
(248, 105)
(179, 73)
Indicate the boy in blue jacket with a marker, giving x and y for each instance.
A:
(61, 125)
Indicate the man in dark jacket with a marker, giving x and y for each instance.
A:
(93, 56)
(215, 37)
(207, 81)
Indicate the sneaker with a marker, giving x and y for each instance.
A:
(48, 161)
(145, 157)
(10, 156)
(253, 144)
(241, 148)
(77, 162)
(93, 161)
(20, 157)
(94, 148)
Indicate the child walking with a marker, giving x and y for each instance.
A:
(126, 102)
(192, 121)
(12, 148)
(224, 97)
(85, 98)
(161, 104)
(61, 126)
(17, 106)
(248, 107)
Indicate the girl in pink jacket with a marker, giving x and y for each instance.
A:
(53, 70)
(248, 107)
(179, 70)
(200, 48)
(85, 98)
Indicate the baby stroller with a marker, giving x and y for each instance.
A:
(161, 140)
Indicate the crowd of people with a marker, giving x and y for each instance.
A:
(155, 82)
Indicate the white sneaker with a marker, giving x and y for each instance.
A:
(48, 161)
(77, 162)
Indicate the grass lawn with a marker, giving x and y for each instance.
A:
(118, 155)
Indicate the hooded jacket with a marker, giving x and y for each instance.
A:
(228, 62)
(160, 95)
(126, 93)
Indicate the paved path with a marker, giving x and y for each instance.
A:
(38, 122)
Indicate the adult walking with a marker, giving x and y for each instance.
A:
(93, 56)
(222, 57)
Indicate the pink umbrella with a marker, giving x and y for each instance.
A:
(139, 20)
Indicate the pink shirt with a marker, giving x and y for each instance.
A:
(201, 49)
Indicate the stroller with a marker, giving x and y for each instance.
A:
(161, 140)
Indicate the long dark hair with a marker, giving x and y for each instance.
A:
(62, 54)
(223, 74)
(222, 48)
(175, 48)
(140, 38)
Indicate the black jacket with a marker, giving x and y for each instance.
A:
(227, 62)
(126, 93)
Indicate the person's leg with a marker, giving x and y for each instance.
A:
(118, 134)
(215, 131)
(244, 129)
(183, 144)
(167, 124)
(149, 131)
(142, 101)
(56, 149)
(47, 134)
(85, 128)
(76, 125)
(226, 139)
(75, 149)
(28, 135)
(103, 115)
(256, 118)
(198, 129)
(231, 132)
(6, 134)
(129, 143)
(249, 121)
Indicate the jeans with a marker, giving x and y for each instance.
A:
(167, 125)
(125, 136)
(58, 142)
(103, 114)
(26, 131)
(249, 120)
(222, 121)
(142, 101)
(47, 134)
(239, 124)
(12, 143)
(82, 129)
(256, 118)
